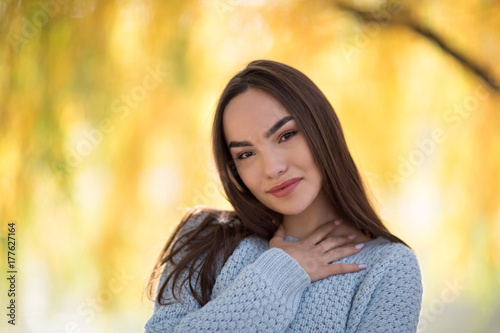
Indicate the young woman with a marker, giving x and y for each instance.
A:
(303, 250)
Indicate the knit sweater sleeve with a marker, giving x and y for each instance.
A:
(396, 296)
(263, 297)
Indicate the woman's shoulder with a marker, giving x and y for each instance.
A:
(388, 253)
(390, 248)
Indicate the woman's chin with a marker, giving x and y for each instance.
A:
(288, 208)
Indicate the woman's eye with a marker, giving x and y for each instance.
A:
(288, 135)
(240, 156)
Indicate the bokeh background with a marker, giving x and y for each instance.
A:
(105, 113)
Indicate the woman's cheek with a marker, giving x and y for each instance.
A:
(248, 177)
(244, 177)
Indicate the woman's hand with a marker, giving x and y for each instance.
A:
(315, 251)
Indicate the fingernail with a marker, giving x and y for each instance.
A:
(337, 222)
(362, 266)
(359, 246)
(351, 236)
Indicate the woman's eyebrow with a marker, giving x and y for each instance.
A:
(270, 132)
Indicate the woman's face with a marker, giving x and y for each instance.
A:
(268, 149)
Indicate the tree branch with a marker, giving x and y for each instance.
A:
(384, 17)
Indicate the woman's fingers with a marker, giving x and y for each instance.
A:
(333, 253)
(319, 234)
(280, 233)
(278, 237)
(315, 252)
(341, 252)
(333, 242)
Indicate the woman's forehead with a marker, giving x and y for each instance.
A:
(253, 111)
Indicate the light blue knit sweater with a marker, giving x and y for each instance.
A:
(265, 290)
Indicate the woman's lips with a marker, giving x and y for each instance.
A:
(284, 184)
(285, 188)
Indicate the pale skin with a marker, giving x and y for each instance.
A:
(264, 161)
(316, 251)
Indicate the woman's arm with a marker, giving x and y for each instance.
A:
(263, 298)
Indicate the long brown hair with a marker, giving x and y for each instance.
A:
(220, 232)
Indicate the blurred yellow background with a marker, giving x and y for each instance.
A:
(105, 114)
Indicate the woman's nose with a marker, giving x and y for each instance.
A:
(274, 163)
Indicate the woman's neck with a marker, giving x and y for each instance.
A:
(302, 225)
